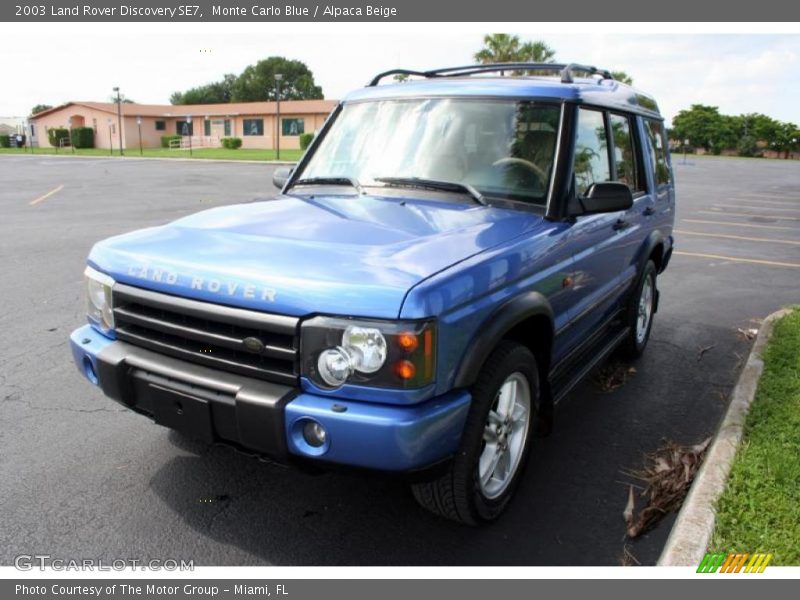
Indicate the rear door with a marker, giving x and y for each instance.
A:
(594, 239)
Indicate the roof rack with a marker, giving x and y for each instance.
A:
(565, 70)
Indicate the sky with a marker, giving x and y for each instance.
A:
(740, 73)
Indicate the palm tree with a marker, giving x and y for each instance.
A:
(503, 48)
(622, 77)
(499, 48)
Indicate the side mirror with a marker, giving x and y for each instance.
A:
(606, 197)
(281, 176)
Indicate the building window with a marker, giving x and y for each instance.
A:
(253, 127)
(206, 128)
(227, 127)
(184, 128)
(161, 125)
(292, 126)
(33, 130)
(94, 125)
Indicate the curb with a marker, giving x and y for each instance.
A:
(171, 159)
(691, 534)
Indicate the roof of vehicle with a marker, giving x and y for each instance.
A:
(601, 92)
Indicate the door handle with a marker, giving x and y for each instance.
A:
(621, 224)
(649, 211)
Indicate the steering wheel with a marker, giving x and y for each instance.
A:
(522, 164)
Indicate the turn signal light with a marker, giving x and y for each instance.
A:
(408, 342)
(405, 369)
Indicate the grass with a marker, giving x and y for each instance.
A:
(200, 153)
(760, 509)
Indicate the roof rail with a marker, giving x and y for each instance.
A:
(564, 70)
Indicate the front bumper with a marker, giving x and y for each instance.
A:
(268, 418)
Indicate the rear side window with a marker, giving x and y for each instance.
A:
(625, 157)
(657, 151)
(591, 151)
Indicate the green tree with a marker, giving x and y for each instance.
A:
(40, 108)
(701, 125)
(123, 98)
(499, 48)
(257, 82)
(622, 77)
(219, 92)
(401, 77)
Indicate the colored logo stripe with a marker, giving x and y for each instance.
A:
(734, 562)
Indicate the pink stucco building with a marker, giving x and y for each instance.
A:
(254, 122)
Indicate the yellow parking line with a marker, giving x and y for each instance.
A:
(747, 207)
(731, 223)
(737, 214)
(737, 237)
(771, 263)
(46, 196)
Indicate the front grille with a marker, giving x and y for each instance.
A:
(208, 334)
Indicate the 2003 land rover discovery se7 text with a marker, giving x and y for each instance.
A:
(449, 257)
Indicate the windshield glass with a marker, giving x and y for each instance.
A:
(502, 148)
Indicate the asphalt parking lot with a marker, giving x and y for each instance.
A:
(80, 477)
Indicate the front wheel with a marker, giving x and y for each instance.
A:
(494, 446)
(640, 312)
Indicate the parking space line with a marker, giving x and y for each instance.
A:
(772, 263)
(737, 214)
(749, 207)
(737, 237)
(733, 224)
(781, 202)
(46, 196)
(755, 195)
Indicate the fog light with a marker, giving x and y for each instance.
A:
(335, 366)
(314, 434)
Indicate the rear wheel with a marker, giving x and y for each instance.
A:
(494, 447)
(640, 312)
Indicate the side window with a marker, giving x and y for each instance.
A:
(625, 157)
(591, 150)
(658, 154)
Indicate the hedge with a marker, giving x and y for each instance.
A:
(166, 139)
(5, 141)
(231, 143)
(57, 133)
(305, 140)
(83, 137)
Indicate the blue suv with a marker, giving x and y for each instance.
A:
(449, 258)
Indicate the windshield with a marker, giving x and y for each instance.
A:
(501, 148)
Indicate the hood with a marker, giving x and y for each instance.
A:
(347, 255)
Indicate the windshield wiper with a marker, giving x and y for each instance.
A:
(338, 180)
(433, 184)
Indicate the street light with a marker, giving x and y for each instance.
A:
(278, 79)
(119, 118)
(189, 121)
(139, 125)
(110, 143)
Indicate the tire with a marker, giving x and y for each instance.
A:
(641, 307)
(460, 493)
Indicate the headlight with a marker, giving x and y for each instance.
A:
(392, 354)
(98, 295)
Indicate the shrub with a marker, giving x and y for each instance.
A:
(56, 134)
(5, 141)
(166, 139)
(747, 146)
(305, 140)
(231, 143)
(83, 137)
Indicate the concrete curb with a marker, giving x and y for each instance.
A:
(168, 158)
(691, 534)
